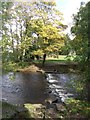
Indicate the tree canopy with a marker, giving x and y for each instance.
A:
(81, 42)
(31, 29)
(80, 30)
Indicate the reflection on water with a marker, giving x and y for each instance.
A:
(24, 88)
(20, 88)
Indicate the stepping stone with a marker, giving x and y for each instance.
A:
(60, 107)
(69, 95)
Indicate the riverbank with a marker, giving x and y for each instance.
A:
(50, 65)
(60, 67)
(72, 110)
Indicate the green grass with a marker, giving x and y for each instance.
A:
(11, 66)
(49, 61)
(60, 58)
(78, 107)
(55, 60)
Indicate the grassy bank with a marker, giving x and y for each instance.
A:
(12, 66)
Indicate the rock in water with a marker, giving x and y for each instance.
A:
(60, 107)
(55, 101)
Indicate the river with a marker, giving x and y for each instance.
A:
(20, 88)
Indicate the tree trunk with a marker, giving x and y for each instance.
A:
(17, 40)
(88, 58)
(12, 41)
(21, 40)
(44, 58)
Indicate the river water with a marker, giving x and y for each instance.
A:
(20, 88)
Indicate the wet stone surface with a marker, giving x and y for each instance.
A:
(57, 87)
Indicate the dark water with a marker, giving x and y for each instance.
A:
(24, 88)
(20, 88)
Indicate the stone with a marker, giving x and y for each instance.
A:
(50, 91)
(52, 99)
(60, 107)
(22, 109)
(50, 111)
(34, 106)
(69, 95)
(55, 101)
(35, 110)
(52, 81)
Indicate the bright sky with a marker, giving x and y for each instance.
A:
(69, 7)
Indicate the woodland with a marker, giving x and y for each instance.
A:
(33, 34)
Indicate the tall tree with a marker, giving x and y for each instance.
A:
(82, 38)
(80, 30)
(26, 20)
(5, 15)
(46, 24)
